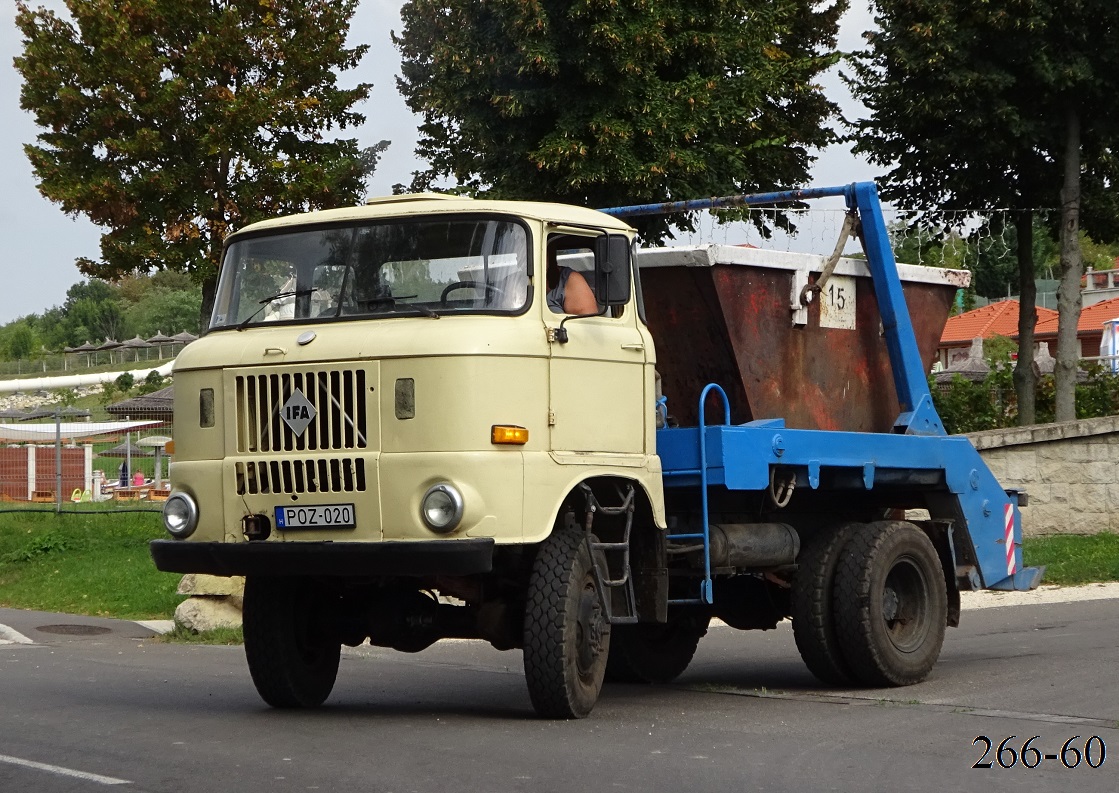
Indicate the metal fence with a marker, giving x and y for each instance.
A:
(89, 456)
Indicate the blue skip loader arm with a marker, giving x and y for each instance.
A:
(918, 455)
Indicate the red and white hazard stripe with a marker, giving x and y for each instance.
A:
(1011, 568)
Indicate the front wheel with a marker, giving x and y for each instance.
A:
(566, 632)
(292, 662)
(891, 604)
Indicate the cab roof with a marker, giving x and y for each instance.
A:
(414, 204)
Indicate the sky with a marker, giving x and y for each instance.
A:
(41, 243)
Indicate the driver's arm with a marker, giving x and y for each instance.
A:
(578, 297)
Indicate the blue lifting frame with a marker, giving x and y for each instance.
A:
(918, 452)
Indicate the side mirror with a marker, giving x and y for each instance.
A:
(612, 269)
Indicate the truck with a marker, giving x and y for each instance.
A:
(394, 437)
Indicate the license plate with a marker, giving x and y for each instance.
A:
(319, 516)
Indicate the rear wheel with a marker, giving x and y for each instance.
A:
(567, 635)
(891, 604)
(292, 662)
(654, 652)
(813, 605)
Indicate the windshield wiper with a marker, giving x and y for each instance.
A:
(420, 307)
(279, 295)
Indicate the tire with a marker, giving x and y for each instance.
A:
(566, 635)
(654, 652)
(891, 604)
(293, 665)
(813, 606)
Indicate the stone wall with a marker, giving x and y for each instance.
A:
(1070, 470)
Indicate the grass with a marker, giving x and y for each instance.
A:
(93, 563)
(181, 635)
(1074, 559)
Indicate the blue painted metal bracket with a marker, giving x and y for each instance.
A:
(740, 458)
(727, 202)
(918, 416)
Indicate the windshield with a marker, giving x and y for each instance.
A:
(381, 269)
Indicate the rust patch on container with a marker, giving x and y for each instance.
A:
(731, 325)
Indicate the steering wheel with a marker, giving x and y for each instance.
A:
(490, 290)
(370, 304)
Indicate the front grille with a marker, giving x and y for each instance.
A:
(335, 475)
(338, 397)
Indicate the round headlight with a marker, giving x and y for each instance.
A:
(180, 515)
(441, 508)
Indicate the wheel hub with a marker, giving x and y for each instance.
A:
(904, 605)
(889, 604)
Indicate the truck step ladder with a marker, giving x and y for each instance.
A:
(605, 582)
(706, 593)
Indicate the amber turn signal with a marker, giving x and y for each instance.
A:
(508, 434)
(169, 447)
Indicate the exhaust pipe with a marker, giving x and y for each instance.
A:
(753, 544)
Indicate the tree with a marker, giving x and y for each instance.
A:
(971, 106)
(597, 103)
(164, 309)
(19, 340)
(171, 123)
(96, 319)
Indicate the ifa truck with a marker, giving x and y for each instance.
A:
(396, 437)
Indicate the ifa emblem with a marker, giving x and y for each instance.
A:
(298, 412)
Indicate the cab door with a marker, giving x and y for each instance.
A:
(600, 386)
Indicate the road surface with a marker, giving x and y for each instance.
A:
(92, 704)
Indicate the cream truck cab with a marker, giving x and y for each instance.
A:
(390, 433)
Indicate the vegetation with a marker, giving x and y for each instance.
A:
(969, 406)
(94, 310)
(1074, 559)
(93, 563)
(598, 103)
(170, 123)
(182, 635)
(1001, 104)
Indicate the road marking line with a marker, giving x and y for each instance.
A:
(70, 772)
(12, 636)
(159, 626)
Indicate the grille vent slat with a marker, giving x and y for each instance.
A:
(339, 424)
(292, 476)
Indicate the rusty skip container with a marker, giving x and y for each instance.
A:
(733, 315)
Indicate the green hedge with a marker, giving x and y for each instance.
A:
(989, 404)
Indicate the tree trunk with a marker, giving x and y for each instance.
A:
(1068, 292)
(1025, 375)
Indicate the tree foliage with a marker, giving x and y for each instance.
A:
(94, 310)
(596, 102)
(970, 106)
(171, 123)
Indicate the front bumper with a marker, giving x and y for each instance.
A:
(407, 558)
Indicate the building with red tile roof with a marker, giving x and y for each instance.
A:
(995, 319)
(1089, 329)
